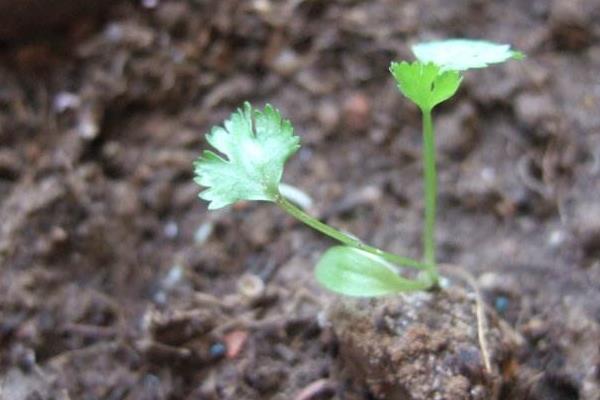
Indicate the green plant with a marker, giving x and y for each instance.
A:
(256, 145)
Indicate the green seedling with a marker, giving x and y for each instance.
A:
(255, 146)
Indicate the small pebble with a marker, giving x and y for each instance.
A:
(64, 101)
(556, 238)
(173, 277)
(113, 32)
(150, 3)
(535, 328)
(217, 350)
(316, 390)
(328, 114)
(171, 230)
(203, 232)
(160, 297)
(488, 174)
(88, 127)
(251, 286)
(501, 304)
(235, 341)
(357, 112)
(262, 6)
(287, 62)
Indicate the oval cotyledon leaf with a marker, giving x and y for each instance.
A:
(354, 272)
(464, 54)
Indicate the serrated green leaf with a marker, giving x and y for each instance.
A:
(256, 145)
(353, 272)
(425, 84)
(464, 54)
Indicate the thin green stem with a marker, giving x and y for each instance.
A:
(430, 195)
(346, 239)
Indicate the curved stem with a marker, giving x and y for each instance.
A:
(344, 238)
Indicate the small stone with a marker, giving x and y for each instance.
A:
(556, 238)
(173, 277)
(501, 304)
(58, 235)
(235, 341)
(286, 62)
(217, 350)
(88, 126)
(316, 390)
(64, 101)
(203, 232)
(171, 230)
(534, 328)
(328, 115)
(150, 3)
(251, 286)
(357, 112)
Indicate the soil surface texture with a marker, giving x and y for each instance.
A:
(117, 283)
(424, 346)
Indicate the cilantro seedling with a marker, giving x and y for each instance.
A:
(255, 146)
(432, 79)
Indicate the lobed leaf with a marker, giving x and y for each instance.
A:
(425, 83)
(464, 54)
(255, 145)
(353, 272)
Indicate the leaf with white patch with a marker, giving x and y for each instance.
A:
(255, 145)
(464, 54)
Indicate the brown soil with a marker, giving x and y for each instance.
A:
(115, 281)
(424, 346)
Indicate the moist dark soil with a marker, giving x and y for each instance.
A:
(117, 283)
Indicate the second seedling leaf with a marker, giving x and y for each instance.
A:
(256, 145)
(353, 272)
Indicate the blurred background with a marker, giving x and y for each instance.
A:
(116, 283)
